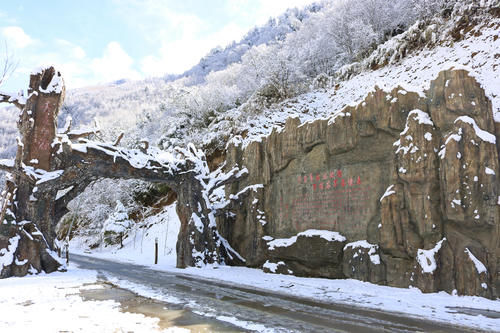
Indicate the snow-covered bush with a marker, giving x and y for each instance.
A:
(90, 210)
(117, 225)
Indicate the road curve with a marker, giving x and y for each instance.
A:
(277, 312)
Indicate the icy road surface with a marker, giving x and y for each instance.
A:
(254, 310)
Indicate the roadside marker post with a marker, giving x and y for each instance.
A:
(156, 250)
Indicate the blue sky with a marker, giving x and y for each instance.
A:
(96, 41)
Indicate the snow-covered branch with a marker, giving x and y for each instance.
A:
(7, 165)
(18, 101)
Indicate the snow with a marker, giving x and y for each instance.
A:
(489, 171)
(426, 258)
(374, 258)
(41, 175)
(428, 136)
(37, 70)
(51, 303)
(272, 266)
(7, 163)
(480, 268)
(55, 86)
(138, 245)
(63, 192)
(389, 191)
(244, 324)
(422, 117)
(197, 222)
(414, 73)
(138, 248)
(482, 134)
(330, 236)
(417, 69)
(411, 302)
(7, 254)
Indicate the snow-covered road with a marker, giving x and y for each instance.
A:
(253, 309)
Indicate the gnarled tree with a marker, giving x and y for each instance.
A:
(51, 168)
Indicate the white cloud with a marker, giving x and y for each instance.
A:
(262, 10)
(277, 7)
(78, 52)
(174, 58)
(175, 37)
(72, 50)
(114, 64)
(16, 37)
(178, 56)
(183, 37)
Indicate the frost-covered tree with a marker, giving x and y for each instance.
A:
(117, 225)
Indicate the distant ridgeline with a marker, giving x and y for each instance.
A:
(401, 189)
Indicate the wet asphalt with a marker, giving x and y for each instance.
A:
(203, 302)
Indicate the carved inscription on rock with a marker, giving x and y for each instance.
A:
(43, 132)
(343, 200)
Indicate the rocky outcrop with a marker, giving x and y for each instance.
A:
(314, 252)
(411, 182)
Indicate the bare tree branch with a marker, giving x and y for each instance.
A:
(8, 65)
(117, 141)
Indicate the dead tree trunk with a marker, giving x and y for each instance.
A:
(51, 169)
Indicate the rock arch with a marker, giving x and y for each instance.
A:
(51, 168)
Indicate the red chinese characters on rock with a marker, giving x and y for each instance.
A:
(328, 180)
(332, 200)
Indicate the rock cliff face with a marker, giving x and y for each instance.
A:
(410, 182)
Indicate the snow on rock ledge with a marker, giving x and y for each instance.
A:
(372, 249)
(330, 236)
(427, 258)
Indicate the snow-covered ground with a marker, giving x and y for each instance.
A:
(412, 302)
(51, 303)
(139, 245)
